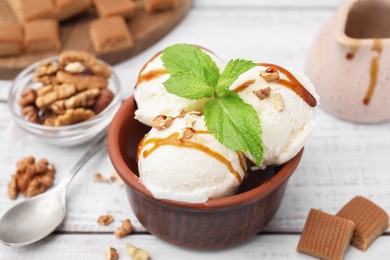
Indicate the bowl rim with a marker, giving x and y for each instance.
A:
(23, 122)
(233, 201)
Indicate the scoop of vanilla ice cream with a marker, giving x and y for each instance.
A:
(184, 162)
(284, 129)
(153, 99)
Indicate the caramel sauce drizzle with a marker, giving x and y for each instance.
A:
(353, 48)
(241, 158)
(244, 86)
(174, 140)
(377, 46)
(293, 84)
(151, 75)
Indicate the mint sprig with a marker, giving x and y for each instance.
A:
(194, 75)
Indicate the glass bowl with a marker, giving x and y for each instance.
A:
(62, 135)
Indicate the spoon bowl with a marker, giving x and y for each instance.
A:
(33, 219)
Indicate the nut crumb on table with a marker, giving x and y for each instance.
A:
(105, 220)
(111, 254)
(125, 229)
(137, 253)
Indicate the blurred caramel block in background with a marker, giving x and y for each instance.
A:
(69, 8)
(27, 10)
(106, 8)
(41, 35)
(11, 39)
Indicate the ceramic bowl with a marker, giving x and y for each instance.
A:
(215, 224)
(62, 135)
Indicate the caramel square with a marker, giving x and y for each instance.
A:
(11, 39)
(41, 35)
(70, 8)
(325, 236)
(27, 10)
(110, 34)
(152, 6)
(370, 220)
(106, 8)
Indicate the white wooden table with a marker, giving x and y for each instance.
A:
(342, 159)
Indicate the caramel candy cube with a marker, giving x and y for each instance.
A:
(105, 39)
(370, 220)
(159, 5)
(11, 39)
(69, 8)
(41, 35)
(27, 10)
(106, 8)
(325, 236)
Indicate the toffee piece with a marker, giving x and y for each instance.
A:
(106, 8)
(325, 236)
(11, 39)
(105, 39)
(42, 35)
(370, 220)
(70, 8)
(159, 5)
(28, 10)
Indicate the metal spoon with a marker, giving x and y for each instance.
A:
(34, 219)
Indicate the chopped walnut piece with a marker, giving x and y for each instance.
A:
(57, 93)
(70, 116)
(81, 81)
(28, 97)
(137, 253)
(162, 122)
(182, 114)
(98, 177)
(125, 229)
(111, 254)
(263, 93)
(278, 102)
(31, 178)
(105, 220)
(31, 113)
(271, 74)
(46, 72)
(187, 133)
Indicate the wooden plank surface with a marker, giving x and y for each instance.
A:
(341, 160)
(91, 247)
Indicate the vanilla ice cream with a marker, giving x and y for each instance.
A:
(286, 110)
(184, 162)
(153, 99)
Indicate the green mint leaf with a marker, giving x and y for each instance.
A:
(185, 58)
(188, 85)
(232, 71)
(235, 124)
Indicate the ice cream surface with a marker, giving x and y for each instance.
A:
(185, 162)
(153, 99)
(286, 105)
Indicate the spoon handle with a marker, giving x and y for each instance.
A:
(86, 157)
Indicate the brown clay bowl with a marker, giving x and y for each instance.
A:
(216, 224)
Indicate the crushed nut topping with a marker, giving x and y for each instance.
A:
(162, 122)
(125, 229)
(75, 67)
(278, 102)
(182, 114)
(137, 253)
(263, 93)
(271, 74)
(186, 133)
(105, 220)
(111, 254)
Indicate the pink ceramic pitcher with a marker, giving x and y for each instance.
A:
(349, 62)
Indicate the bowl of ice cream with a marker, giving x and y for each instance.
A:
(200, 169)
(217, 223)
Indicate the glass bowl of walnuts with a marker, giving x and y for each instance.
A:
(65, 100)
